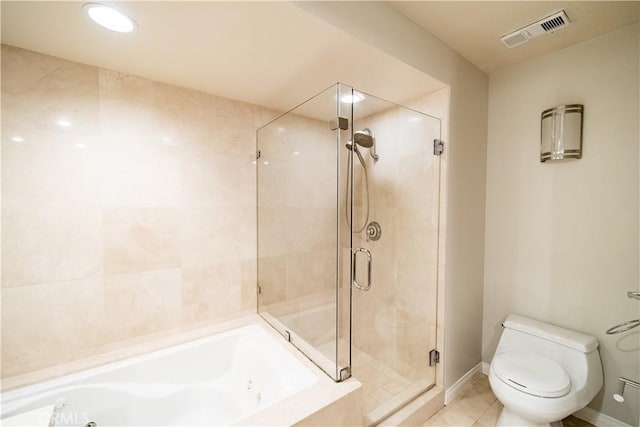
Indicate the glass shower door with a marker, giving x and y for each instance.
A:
(304, 242)
(395, 218)
(348, 216)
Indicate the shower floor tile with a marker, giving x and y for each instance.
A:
(379, 382)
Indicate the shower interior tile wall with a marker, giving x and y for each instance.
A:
(392, 319)
(296, 216)
(137, 218)
(297, 220)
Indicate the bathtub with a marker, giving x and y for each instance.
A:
(233, 377)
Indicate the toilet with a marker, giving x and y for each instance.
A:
(543, 373)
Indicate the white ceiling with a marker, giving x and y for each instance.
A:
(277, 55)
(474, 28)
(267, 53)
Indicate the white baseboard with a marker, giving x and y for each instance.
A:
(598, 419)
(453, 391)
(485, 368)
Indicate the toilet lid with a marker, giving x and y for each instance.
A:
(532, 374)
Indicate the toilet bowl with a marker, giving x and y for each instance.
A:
(543, 373)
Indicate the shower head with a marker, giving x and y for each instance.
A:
(363, 138)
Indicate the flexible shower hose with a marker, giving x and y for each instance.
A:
(346, 198)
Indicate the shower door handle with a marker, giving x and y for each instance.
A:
(354, 269)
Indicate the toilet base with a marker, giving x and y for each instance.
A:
(509, 419)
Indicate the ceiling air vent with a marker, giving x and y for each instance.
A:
(547, 25)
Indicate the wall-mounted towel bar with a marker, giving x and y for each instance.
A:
(634, 294)
(629, 324)
(623, 327)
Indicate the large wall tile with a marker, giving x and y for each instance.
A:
(47, 244)
(134, 109)
(213, 235)
(141, 239)
(142, 303)
(138, 174)
(309, 273)
(211, 291)
(42, 325)
(211, 178)
(49, 168)
(39, 90)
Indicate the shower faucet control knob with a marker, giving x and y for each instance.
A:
(374, 231)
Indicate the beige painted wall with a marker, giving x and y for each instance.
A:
(137, 218)
(562, 238)
(381, 26)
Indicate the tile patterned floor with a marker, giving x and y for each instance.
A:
(477, 406)
(380, 383)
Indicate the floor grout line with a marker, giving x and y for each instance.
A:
(450, 414)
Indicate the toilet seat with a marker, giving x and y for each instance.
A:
(532, 374)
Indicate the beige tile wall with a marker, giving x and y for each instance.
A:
(395, 321)
(137, 218)
(140, 216)
(297, 241)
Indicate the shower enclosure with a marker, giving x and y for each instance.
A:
(348, 204)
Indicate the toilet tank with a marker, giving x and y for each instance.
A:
(577, 353)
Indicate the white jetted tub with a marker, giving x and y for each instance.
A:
(218, 380)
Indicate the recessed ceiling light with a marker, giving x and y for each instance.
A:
(109, 18)
(17, 138)
(64, 123)
(352, 98)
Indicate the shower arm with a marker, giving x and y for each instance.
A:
(373, 154)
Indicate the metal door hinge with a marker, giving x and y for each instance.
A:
(259, 289)
(434, 357)
(339, 123)
(438, 147)
(345, 373)
(258, 154)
